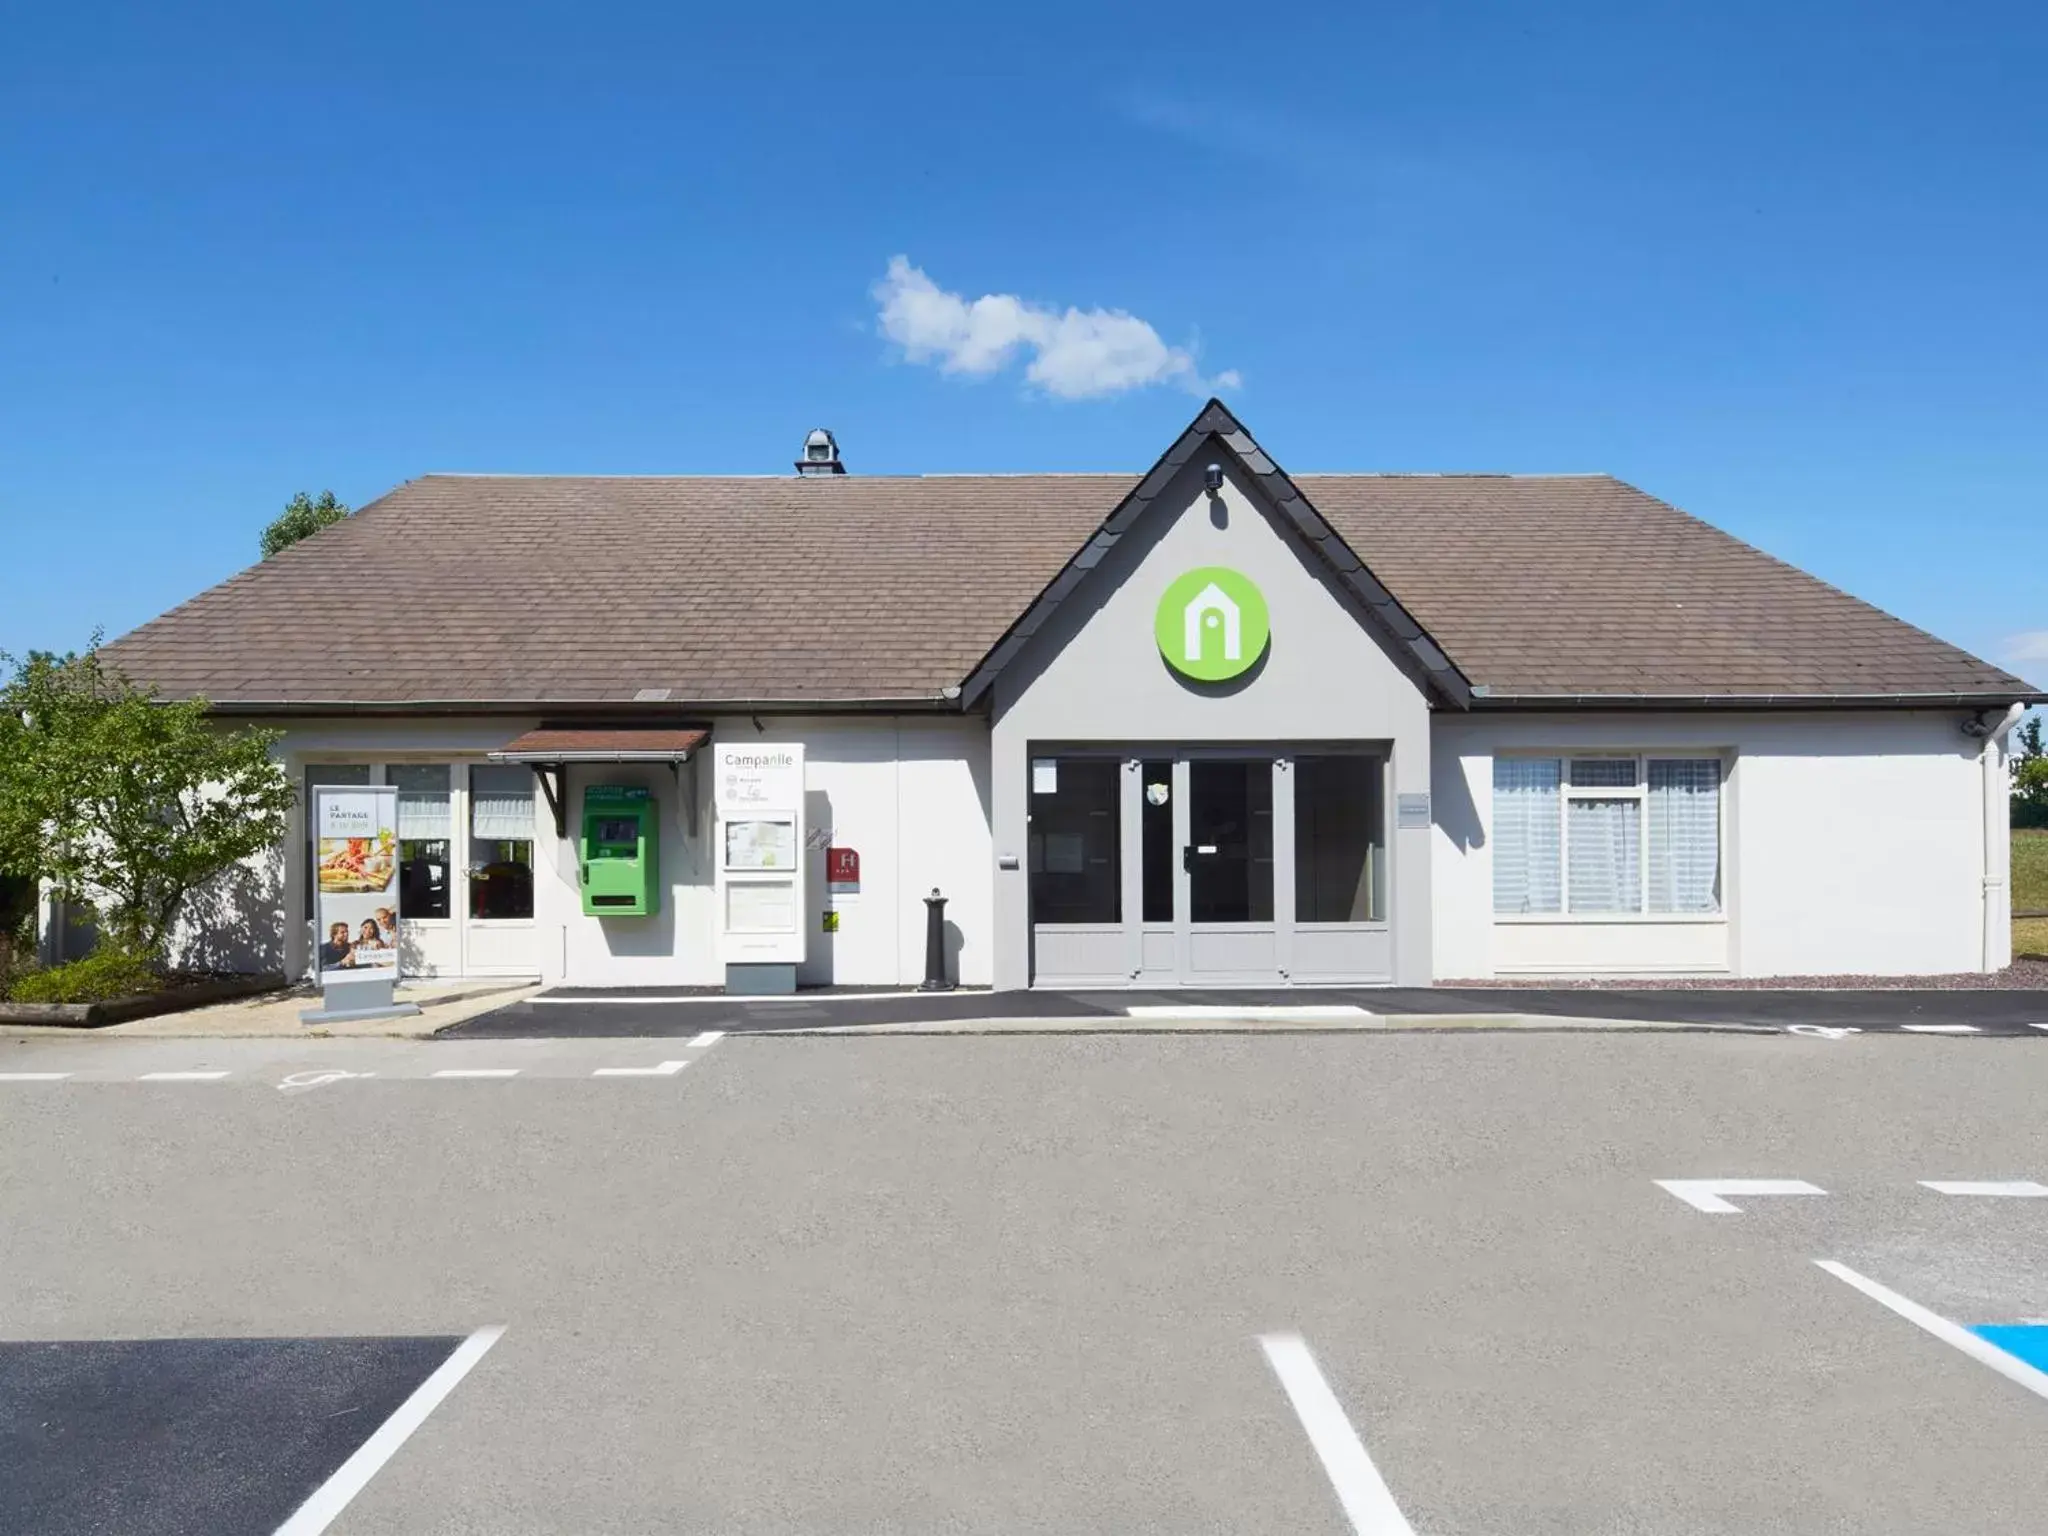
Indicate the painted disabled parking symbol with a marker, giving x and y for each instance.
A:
(298, 1082)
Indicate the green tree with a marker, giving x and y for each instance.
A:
(120, 798)
(2027, 742)
(2029, 775)
(303, 516)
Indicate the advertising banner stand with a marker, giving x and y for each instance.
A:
(759, 800)
(355, 904)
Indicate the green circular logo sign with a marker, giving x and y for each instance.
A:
(1211, 624)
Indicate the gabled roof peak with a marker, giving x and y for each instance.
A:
(1214, 424)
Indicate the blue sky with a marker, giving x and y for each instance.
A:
(1779, 264)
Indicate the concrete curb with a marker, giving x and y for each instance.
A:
(276, 1017)
(146, 1005)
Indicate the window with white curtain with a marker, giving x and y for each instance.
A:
(1527, 845)
(500, 841)
(1685, 835)
(1607, 835)
(426, 832)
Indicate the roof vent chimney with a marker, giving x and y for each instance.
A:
(821, 455)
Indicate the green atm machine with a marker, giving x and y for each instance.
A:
(619, 859)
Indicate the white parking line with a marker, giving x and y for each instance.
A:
(2008, 1189)
(1939, 1029)
(182, 1077)
(709, 1037)
(477, 1072)
(666, 1069)
(1360, 1489)
(332, 1496)
(33, 1077)
(1981, 1350)
(1705, 1194)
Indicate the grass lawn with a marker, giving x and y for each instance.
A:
(2030, 871)
(2030, 893)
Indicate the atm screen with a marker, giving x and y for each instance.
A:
(622, 830)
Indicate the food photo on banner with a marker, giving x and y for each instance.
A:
(357, 865)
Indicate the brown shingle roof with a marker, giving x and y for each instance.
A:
(1580, 584)
(546, 590)
(563, 590)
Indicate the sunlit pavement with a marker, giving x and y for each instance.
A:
(1161, 1283)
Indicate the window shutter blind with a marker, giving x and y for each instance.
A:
(1603, 773)
(423, 814)
(501, 802)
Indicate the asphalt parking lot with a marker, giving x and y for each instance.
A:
(184, 1436)
(1119, 1283)
(589, 1013)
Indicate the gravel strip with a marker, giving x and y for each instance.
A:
(2026, 975)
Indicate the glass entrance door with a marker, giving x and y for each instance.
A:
(1229, 851)
(1228, 932)
(1209, 866)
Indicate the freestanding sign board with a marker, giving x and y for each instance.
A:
(758, 796)
(355, 908)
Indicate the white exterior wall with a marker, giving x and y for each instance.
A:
(909, 793)
(1853, 843)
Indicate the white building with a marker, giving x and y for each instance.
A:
(1214, 725)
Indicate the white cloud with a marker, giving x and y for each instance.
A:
(1076, 354)
(2027, 653)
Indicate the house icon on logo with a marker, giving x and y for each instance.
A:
(1208, 611)
(1211, 624)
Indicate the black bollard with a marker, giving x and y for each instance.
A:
(935, 944)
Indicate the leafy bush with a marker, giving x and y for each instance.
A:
(110, 971)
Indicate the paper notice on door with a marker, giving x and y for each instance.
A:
(1045, 776)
